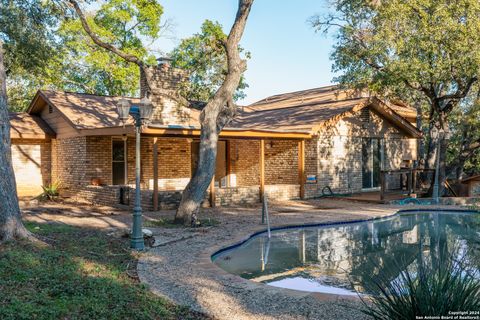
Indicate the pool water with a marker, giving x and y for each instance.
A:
(343, 258)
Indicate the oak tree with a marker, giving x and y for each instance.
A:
(428, 49)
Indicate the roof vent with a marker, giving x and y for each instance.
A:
(365, 115)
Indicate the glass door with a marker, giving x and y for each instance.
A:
(371, 163)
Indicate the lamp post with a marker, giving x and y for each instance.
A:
(141, 115)
(436, 134)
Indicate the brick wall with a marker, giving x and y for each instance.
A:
(31, 160)
(281, 162)
(245, 165)
(69, 163)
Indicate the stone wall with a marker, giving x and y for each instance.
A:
(158, 82)
(339, 162)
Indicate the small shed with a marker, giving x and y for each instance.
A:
(473, 185)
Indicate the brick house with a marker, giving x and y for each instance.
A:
(289, 146)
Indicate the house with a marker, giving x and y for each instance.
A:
(289, 145)
(472, 184)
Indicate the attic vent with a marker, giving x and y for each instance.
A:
(365, 115)
(50, 109)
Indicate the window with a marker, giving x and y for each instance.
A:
(50, 108)
(119, 163)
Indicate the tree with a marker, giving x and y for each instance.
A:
(215, 114)
(428, 48)
(76, 63)
(463, 154)
(204, 58)
(219, 110)
(25, 41)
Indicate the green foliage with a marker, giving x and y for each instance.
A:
(425, 52)
(384, 45)
(128, 25)
(50, 192)
(82, 274)
(26, 33)
(465, 124)
(203, 56)
(47, 48)
(426, 291)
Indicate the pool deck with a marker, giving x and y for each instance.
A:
(179, 268)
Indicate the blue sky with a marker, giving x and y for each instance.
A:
(287, 54)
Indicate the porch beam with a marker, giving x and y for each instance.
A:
(301, 168)
(262, 168)
(246, 134)
(155, 174)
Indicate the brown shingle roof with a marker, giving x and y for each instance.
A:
(307, 110)
(321, 95)
(293, 118)
(84, 111)
(301, 111)
(27, 126)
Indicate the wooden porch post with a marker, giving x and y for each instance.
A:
(229, 164)
(212, 192)
(262, 168)
(301, 167)
(382, 185)
(155, 174)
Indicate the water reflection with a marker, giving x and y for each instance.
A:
(342, 259)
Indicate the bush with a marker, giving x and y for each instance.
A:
(425, 291)
(50, 192)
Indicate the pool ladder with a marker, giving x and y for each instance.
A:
(265, 214)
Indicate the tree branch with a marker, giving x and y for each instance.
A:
(96, 39)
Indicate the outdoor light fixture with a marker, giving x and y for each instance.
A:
(141, 114)
(123, 109)
(146, 109)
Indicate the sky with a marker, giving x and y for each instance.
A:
(287, 54)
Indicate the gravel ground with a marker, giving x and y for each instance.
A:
(181, 270)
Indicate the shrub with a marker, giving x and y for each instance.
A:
(50, 192)
(425, 291)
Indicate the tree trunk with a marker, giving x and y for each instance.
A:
(11, 226)
(214, 117)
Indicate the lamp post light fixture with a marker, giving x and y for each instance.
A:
(141, 114)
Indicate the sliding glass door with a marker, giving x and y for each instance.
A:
(371, 163)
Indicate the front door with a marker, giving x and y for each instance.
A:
(371, 158)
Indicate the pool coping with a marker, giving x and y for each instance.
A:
(206, 258)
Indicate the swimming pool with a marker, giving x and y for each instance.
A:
(342, 258)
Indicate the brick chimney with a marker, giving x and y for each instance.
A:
(164, 78)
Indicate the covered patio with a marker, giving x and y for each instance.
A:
(249, 164)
